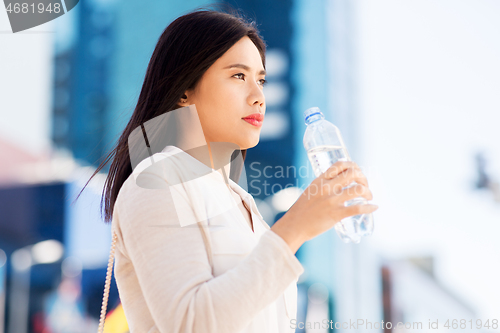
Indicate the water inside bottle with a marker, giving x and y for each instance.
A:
(322, 157)
(352, 228)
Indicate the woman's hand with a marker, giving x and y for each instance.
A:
(321, 205)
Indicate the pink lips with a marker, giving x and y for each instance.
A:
(255, 119)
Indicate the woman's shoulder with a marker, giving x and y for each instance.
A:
(147, 185)
(162, 182)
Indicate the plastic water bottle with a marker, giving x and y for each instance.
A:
(324, 145)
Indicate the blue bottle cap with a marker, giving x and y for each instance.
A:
(311, 112)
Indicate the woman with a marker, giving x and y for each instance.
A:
(193, 253)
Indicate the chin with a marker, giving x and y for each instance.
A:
(249, 144)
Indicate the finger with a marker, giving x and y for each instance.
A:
(357, 210)
(348, 176)
(338, 167)
(355, 191)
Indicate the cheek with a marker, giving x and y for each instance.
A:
(221, 104)
(219, 108)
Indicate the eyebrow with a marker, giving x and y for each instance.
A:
(245, 67)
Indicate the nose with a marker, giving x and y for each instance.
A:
(256, 96)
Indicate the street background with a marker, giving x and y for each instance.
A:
(412, 86)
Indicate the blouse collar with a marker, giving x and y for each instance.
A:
(245, 196)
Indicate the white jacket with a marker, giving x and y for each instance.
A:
(162, 269)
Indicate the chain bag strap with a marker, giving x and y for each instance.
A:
(107, 284)
(110, 271)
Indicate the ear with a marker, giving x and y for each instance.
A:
(187, 98)
(183, 101)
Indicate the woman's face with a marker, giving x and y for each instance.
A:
(225, 95)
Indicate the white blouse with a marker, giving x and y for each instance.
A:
(162, 270)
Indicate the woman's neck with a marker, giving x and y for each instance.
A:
(215, 155)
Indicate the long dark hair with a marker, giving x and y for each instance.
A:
(185, 50)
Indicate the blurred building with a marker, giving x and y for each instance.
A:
(83, 45)
(413, 297)
(36, 201)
